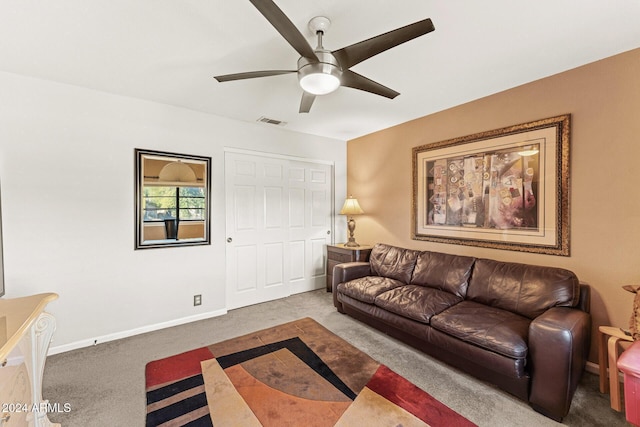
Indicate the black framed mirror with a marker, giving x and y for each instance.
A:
(172, 198)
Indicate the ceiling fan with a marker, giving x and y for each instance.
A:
(321, 71)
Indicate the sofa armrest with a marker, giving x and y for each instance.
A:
(559, 342)
(345, 272)
(584, 303)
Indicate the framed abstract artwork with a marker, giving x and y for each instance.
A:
(504, 189)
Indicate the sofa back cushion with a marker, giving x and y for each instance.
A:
(449, 273)
(390, 261)
(528, 290)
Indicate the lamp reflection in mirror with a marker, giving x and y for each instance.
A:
(177, 172)
(351, 207)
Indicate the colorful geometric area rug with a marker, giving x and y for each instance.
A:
(295, 374)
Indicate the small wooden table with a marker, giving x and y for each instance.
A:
(337, 254)
(608, 353)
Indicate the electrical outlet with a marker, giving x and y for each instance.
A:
(197, 300)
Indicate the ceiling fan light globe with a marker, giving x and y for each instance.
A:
(319, 78)
(319, 83)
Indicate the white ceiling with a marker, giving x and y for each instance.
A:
(169, 50)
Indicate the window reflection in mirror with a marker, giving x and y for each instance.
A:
(172, 199)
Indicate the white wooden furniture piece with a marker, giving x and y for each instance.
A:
(25, 334)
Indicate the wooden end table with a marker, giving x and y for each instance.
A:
(608, 353)
(337, 254)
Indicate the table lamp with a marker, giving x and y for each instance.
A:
(350, 208)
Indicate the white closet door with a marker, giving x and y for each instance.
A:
(278, 222)
(310, 218)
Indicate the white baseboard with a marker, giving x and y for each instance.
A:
(298, 289)
(592, 368)
(131, 332)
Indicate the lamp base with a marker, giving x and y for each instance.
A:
(351, 243)
(351, 224)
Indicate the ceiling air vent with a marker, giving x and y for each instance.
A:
(269, 121)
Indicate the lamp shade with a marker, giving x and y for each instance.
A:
(351, 207)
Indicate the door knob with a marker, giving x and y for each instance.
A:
(328, 231)
(229, 240)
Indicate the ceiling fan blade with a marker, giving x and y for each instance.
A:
(358, 52)
(285, 27)
(306, 102)
(357, 81)
(251, 75)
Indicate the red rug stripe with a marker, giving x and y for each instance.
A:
(411, 398)
(176, 367)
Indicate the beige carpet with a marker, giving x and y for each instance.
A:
(104, 385)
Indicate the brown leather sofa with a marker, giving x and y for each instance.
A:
(524, 328)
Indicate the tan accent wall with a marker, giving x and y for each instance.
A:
(603, 99)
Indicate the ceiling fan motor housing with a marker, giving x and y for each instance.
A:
(322, 77)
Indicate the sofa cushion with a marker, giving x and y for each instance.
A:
(416, 302)
(528, 290)
(367, 288)
(446, 272)
(492, 328)
(393, 262)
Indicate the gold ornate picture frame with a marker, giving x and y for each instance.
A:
(504, 189)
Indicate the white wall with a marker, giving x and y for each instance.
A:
(67, 176)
